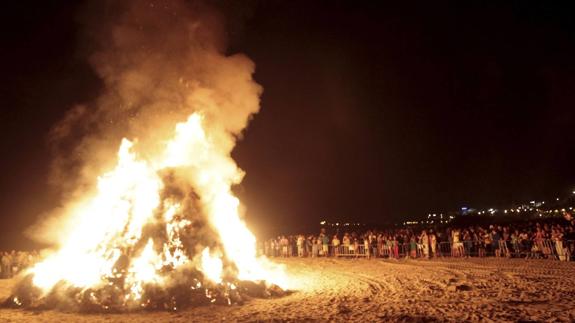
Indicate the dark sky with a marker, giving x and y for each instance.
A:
(371, 112)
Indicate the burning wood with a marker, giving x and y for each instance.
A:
(185, 289)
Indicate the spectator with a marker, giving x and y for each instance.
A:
(425, 244)
(534, 239)
(325, 244)
(335, 243)
(300, 245)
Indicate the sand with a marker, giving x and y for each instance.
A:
(364, 290)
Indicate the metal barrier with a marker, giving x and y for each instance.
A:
(351, 251)
(384, 251)
(444, 249)
(545, 249)
(542, 249)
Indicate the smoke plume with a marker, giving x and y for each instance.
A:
(159, 61)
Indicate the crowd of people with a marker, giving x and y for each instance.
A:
(554, 240)
(551, 239)
(13, 262)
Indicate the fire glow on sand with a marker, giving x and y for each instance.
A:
(162, 228)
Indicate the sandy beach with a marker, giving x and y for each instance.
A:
(496, 290)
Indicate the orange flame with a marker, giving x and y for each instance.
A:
(126, 200)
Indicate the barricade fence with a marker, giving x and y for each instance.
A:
(539, 249)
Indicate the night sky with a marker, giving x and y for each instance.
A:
(371, 112)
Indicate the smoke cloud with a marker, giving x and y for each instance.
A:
(159, 61)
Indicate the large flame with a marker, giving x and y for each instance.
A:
(111, 224)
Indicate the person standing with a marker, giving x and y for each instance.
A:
(395, 247)
(413, 247)
(380, 245)
(314, 248)
(308, 246)
(433, 243)
(495, 237)
(335, 242)
(557, 238)
(284, 243)
(325, 244)
(424, 244)
(346, 243)
(366, 247)
(300, 244)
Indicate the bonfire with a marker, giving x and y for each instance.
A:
(159, 234)
(160, 227)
